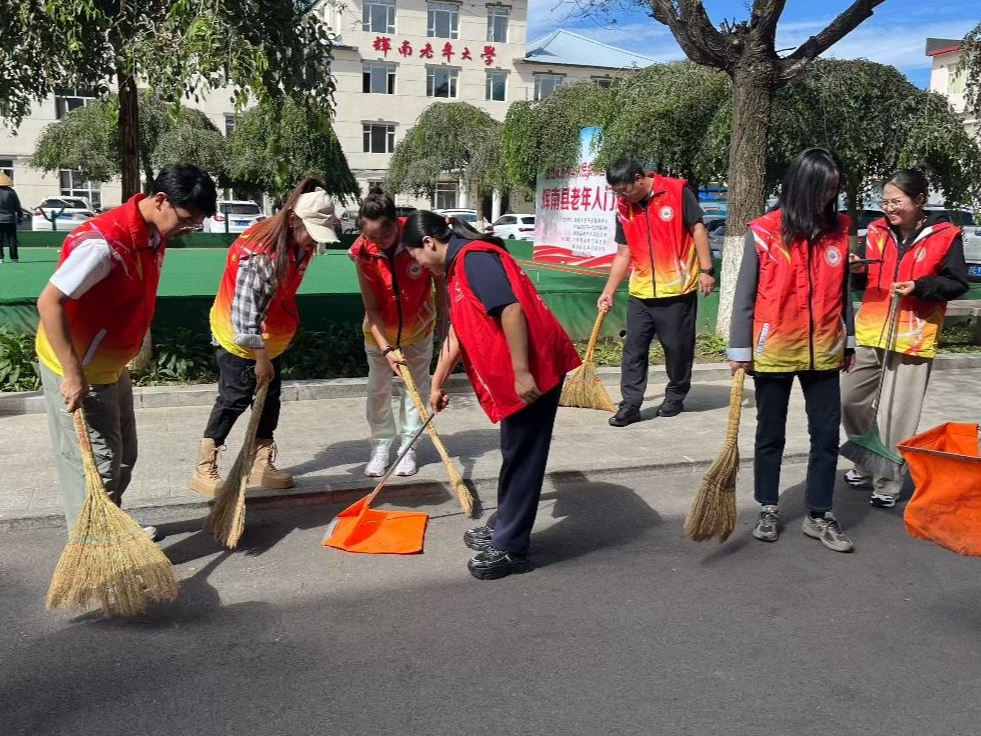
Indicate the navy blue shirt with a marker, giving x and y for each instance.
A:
(487, 277)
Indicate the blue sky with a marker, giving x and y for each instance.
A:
(896, 34)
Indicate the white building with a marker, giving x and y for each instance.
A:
(392, 59)
(947, 80)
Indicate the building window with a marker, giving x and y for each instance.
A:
(332, 16)
(497, 86)
(73, 185)
(378, 16)
(546, 84)
(67, 100)
(603, 82)
(7, 167)
(379, 137)
(445, 196)
(378, 79)
(376, 184)
(497, 24)
(444, 20)
(441, 81)
(229, 124)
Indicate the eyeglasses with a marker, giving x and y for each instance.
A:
(187, 222)
(893, 204)
(620, 191)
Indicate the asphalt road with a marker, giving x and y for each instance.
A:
(624, 627)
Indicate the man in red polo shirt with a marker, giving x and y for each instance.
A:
(661, 238)
(95, 312)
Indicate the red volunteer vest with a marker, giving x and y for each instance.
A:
(403, 291)
(283, 317)
(486, 356)
(108, 322)
(920, 321)
(798, 321)
(662, 251)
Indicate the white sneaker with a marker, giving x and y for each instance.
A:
(856, 479)
(408, 465)
(151, 531)
(377, 464)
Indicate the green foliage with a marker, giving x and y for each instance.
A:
(87, 140)
(180, 357)
(970, 67)
(710, 348)
(447, 137)
(337, 352)
(18, 362)
(274, 146)
(520, 145)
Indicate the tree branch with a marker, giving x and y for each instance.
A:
(813, 47)
(764, 18)
(691, 27)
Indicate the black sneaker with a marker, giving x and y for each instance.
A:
(625, 415)
(478, 538)
(767, 527)
(494, 563)
(882, 501)
(670, 408)
(856, 480)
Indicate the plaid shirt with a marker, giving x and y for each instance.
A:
(255, 286)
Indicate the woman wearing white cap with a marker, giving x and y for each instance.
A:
(253, 320)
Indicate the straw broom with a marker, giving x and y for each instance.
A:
(456, 480)
(713, 514)
(226, 522)
(583, 387)
(109, 560)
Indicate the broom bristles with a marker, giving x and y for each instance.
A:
(456, 480)
(226, 522)
(713, 512)
(583, 388)
(109, 560)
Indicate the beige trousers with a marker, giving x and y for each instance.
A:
(903, 389)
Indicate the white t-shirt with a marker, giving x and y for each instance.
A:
(86, 265)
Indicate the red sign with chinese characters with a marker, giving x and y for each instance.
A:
(384, 45)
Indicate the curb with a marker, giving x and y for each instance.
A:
(484, 489)
(157, 397)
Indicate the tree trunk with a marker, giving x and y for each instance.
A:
(752, 106)
(129, 133)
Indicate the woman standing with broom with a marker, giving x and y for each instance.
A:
(399, 318)
(516, 355)
(917, 258)
(792, 317)
(253, 321)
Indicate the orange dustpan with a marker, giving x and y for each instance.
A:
(360, 528)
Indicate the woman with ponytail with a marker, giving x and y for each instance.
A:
(516, 355)
(399, 318)
(253, 320)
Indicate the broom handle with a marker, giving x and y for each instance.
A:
(892, 320)
(85, 444)
(735, 405)
(594, 335)
(410, 386)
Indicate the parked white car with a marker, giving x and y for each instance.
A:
(70, 212)
(469, 216)
(240, 216)
(971, 235)
(513, 226)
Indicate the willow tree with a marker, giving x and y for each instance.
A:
(261, 49)
(970, 67)
(448, 138)
(86, 140)
(747, 52)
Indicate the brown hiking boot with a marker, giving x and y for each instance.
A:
(206, 479)
(264, 473)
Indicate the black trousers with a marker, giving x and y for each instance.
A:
(672, 321)
(525, 440)
(236, 387)
(822, 401)
(8, 236)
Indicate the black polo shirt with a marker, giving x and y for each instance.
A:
(487, 277)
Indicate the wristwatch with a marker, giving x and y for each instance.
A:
(708, 271)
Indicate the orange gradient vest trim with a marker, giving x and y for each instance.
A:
(920, 321)
(662, 250)
(107, 323)
(282, 318)
(799, 321)
(403, 291)
(485, 352)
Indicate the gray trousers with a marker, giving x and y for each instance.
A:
(112, 430)
(903, 389)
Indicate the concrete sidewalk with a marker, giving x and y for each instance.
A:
(324, 443)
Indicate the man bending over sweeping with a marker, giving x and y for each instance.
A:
(95, 312)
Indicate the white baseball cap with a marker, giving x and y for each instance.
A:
(316, 210)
